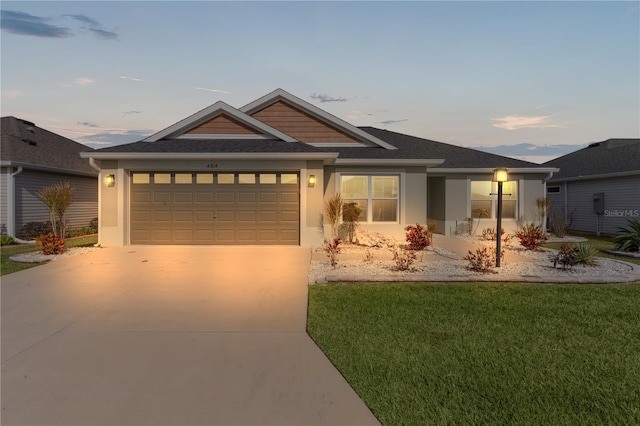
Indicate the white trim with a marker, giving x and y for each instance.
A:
(211, 112)
(491, 169)
(28, 166)
(211, 155)
(590, 177)
(338, 145)
(313, 110)
(388, 162)
(209, 136)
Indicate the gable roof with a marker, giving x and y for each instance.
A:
(600, 159)
(25, 144)
(282, 95)
(183, 126)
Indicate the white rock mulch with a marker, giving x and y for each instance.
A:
(38, 257)
(539, 268)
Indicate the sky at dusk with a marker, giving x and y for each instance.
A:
(531, 80)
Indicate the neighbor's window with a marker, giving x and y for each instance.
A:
(484, 204)
(553, 189)
(377, 196)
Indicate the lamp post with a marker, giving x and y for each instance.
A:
(500, 175)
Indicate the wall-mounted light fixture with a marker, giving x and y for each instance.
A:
(110, 180)
(500, 175)
(312, 181)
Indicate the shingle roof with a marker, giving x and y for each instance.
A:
(415, 147)
(213, 146)
(600, 158)
(26, 144)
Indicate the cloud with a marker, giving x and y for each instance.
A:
(25, 24)
(12, 94)
(327, 98)
(104, 34)
(515, 122)
(211, 90)
(36, 26)
(86, 123)
(80, 81)
(124, 77)
(389, 122)
(132, 112)
(85, 19)
(357, 114)
(114, 137)
(531, 152)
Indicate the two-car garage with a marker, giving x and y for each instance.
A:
(215, 208)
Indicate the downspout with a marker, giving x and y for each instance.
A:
(544, 189)
(11, 203)
(92, 162)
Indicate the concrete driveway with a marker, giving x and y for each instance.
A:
(177, 335)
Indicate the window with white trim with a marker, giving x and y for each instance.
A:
(484, 199)
(377, 196)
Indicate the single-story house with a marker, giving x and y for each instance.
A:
(261, 174)
(598, 187)
(33, 158)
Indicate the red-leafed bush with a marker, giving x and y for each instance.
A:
(50, 244)
(333, 249)
(531, 236)
(418, 236)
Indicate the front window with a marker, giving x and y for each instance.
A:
(484, 199)
(377, 196)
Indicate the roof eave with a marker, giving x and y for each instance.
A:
(208, 155)
(599, 176)
(388, 162)
(491, 169)
(38, 167)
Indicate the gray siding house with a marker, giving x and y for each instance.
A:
(597, 187)
(32, 158)
(260, 174)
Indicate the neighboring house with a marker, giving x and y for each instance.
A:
(33, 158)
(598, 187)
(261, 174)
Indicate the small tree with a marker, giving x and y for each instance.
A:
(333, 211)
(543, 207)
(350, 215)
(57, 198)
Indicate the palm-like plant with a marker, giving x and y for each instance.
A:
(628, 239)
(57, 198)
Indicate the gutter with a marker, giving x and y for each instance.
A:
(92, 163)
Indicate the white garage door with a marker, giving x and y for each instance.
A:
(215, 208)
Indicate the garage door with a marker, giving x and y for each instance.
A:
(215, 208)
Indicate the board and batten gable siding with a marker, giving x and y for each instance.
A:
(223, 125)
(30, 209)
(299, 125)
(621, 203)
(4, 214)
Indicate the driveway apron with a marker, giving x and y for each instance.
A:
(179, 335)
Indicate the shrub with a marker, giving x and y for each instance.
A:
(80, 232)
(403, 258)
(628, 239)
(333, 211)
(418, 237)
(57, 198)
(33, 230)
(50, 244)
(531, 236)
(543, 207)
(368, 256)
(93, 224)
(333, 249)
(560, 224)
(7, 240)
(490, 233)
(350, 214)
(586, 254)
(482, 260)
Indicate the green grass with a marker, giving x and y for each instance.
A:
(473, 353)
(602, 243)
(8, 267)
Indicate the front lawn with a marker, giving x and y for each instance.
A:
(8, 267)
(473, 353)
